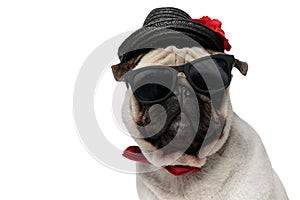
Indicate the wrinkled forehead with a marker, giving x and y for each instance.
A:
(172, 56)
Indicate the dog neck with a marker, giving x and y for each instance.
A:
(241, 155)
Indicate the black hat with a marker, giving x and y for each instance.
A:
(169, 26)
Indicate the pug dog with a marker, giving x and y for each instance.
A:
(191, 145)
(233, 164)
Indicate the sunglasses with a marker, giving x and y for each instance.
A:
(206, 75)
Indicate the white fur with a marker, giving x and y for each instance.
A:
(240, 170)
(235, 167)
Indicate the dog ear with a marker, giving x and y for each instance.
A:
(120, 69)
(241, 66)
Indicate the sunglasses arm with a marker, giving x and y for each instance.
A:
(127, 85)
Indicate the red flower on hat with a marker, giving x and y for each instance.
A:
(214, 25)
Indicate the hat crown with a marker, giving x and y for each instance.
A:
(169, 26)
(164, 13)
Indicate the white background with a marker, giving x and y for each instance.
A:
(43, 45)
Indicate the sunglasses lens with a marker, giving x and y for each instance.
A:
(151, 92)
(209, 75)
(152, 84)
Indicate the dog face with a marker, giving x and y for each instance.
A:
(186, 127)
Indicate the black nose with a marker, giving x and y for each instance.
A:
(181, 92)
(186, 97)
(188, 103)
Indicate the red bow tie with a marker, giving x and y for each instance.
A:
(134, 153)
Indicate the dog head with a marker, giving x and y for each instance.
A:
(184, 128)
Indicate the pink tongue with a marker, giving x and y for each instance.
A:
(134, 153)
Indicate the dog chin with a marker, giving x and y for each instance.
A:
(158, 158)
